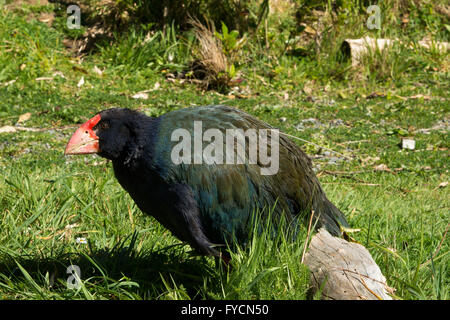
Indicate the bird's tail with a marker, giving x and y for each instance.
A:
(330, 217)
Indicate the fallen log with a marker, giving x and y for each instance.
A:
(343, 270)
(356, 48)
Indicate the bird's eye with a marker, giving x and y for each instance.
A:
(104, 125)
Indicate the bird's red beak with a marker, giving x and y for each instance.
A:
(84, 140)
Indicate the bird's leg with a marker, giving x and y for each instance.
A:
(225, 259)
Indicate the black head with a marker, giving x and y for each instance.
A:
(114, 134)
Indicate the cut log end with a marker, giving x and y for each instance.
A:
(343, 270)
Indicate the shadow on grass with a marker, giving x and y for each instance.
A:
(143, 274)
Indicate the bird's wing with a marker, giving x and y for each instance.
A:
(228, 194)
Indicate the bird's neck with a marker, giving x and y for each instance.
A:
(139, 148)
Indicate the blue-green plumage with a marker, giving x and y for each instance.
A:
(208, 204)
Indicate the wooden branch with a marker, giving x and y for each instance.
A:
(344, 270)
(356, 48)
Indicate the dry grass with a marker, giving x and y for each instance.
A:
(211, 65)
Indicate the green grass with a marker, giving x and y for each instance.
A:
(47, 201)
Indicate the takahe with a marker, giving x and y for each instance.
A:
(203, 199)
